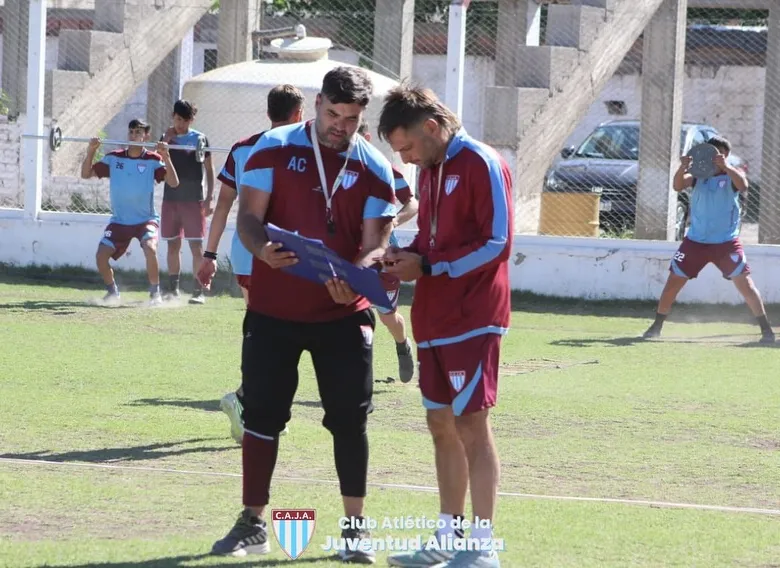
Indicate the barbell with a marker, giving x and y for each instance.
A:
(56, 139)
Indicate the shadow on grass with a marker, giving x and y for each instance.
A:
(613, 341)
(225, 284)
(137, 453)
(184, 560)
(207, 405)
(89, 280)
(61, 308)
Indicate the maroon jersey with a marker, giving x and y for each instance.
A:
(283, 164)
(468, 292)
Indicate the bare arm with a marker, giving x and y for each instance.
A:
(738, 179)
(252, 207)
(682, 179)
(171, 177)
(86, 166)
(376, 238)
(227, 195)
(209, 164)
(407, 212)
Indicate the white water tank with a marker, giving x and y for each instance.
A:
(232, 100)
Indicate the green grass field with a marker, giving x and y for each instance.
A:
(113, 451)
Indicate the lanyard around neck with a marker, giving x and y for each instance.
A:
(321, 168)
(434, 207)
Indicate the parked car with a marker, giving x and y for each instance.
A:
(607, 162)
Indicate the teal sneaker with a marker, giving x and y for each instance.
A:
(473, 559)
(421, 558)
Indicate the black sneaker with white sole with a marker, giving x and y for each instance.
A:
(405, 361)
(248, 536)
(357, 547)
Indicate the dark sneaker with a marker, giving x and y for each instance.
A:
(767, 338)
(405, 361)
(198, 297)
(652, 332)
(357, 547)
(248, 536)
(112, 299)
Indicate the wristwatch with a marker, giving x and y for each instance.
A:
(426, 266)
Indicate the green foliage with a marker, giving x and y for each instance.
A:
(5, 103)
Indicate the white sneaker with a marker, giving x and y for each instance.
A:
(231, 406)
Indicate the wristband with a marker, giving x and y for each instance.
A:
(426, 266)
(211, 255)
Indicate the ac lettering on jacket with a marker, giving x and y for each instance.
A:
(297, 164)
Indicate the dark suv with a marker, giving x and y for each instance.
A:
(607, 162)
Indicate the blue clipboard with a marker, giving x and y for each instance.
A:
(318, 263)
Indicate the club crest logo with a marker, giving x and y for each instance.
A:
(141, 168)
(349, 179)
(722, 183)
(450, 184)
(734, 257)
(457, 379)
(368, 334)
(294, 529)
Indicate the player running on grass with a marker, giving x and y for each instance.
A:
(392, 320)
(713, 237)
(285, 106)
(133, 173)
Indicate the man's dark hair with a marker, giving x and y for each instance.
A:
(363, 128)
(185, 109)
(283, 101)
(139, 123)
(347, 85)
(721, 144)
(406, 106)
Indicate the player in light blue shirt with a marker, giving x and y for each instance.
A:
(285, 106)
(713, 237)
(133, 173)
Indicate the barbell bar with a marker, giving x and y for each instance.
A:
(56, 139)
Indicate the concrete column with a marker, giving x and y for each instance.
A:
(663, 72)
(519, 23)
(769, 219)
(15, 37)
(237, 20)
(166, 83)
(394, 37)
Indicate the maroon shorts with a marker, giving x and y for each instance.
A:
(244, 281)
(118, 237)
(463, 375)
(183, 219)
(691, 257)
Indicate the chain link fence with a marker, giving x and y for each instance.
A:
(108, 62)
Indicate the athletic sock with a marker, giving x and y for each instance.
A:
(452, 525)
(763, 321)
(259, 460)
(659, 319)
(112, 288)
(174, 281)
(154, 289)
(351, 457)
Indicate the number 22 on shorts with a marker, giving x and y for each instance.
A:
(679, 256)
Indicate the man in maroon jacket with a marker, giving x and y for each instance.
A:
(461, 307)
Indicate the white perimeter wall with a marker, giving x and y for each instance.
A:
(563, 267)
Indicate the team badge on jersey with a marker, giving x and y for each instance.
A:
(141, 168)
(450, 184)
(457, 379)
(294, 529)
(349, 179)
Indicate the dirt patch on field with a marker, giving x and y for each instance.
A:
(527, 366)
